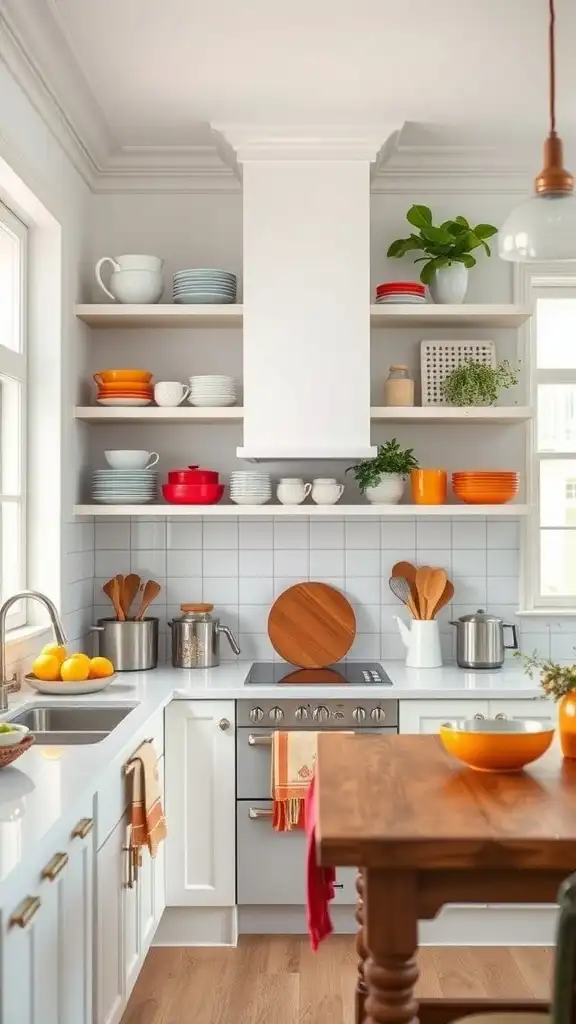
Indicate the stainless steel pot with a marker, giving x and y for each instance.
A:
(130, 646)
(196, 637)
(480, 640)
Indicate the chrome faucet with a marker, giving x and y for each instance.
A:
(12, 685)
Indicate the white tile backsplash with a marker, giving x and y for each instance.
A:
(242, 565)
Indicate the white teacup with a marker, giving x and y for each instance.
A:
(170, 392)
(326, 491)
(131, 459)
(292, 491)
(134, 278)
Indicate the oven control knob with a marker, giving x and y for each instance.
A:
(320, 714)
(300, 714)
(276, 714)
(255, 714)
(378, 715)
(359, 714)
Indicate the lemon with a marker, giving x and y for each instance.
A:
(101, 668)
(74, 670)
(57, 650)
(83, 658)
(47, 668)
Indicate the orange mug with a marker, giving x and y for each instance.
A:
(429, 486)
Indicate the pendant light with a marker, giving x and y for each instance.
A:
(544, 227)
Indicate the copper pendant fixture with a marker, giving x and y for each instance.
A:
(553, 177)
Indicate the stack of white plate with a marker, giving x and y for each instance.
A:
(250, 487)
(212, 389)
(124, 486)
(204, 286)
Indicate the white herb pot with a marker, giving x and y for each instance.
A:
(388, 491)
(449, 284)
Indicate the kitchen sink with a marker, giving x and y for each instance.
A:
(54, 724)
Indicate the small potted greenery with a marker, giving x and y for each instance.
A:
(477, 384)
(382, 478)
(447, 249)
(558, 682)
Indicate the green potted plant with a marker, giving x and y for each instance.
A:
(477, 384)
(382, 478)
(447, 249)
(558, 682)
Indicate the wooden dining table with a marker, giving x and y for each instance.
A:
(425, 831)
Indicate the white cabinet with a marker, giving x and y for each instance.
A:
(541, 710)
(47, 941)
(201, 804)
(418, 716)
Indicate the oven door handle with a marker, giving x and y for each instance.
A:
(260, 812)
(259, 741)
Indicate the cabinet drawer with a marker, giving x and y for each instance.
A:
(113, 792)
(271, 866)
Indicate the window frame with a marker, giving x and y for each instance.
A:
(531, 280)
(15, 365)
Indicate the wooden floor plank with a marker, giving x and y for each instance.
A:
(278, 980)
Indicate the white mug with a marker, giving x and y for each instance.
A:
(134, 278)
(131, 459)
(170, 392)
(292, 491)
(326, 491)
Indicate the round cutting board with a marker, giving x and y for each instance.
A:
(312, 625)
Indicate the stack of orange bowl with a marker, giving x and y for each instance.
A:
(485, 487)
(124, 387)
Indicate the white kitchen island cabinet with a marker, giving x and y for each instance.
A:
(426, 716)
(201, 803)
(47, 940)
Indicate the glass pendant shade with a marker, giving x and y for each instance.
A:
(541, 228)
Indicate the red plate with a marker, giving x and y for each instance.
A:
(401, 286)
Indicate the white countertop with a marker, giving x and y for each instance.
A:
(49, 783)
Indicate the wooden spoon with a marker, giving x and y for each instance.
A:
(430, 584)
(112, 590)
(407, 571)
(149, 594)
(130, 588)
(445, 598)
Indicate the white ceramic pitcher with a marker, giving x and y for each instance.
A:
(422, 642)
(134, 278)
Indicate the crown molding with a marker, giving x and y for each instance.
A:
(448, 169)
(305, 142)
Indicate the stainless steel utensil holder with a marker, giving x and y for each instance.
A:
(130, 646)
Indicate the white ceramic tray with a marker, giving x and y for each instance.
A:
(62, 689)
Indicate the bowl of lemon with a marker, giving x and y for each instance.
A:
(59, 673)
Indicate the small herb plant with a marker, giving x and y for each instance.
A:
(450, 242)
(477, 384)
(555, 680)
(391, 458)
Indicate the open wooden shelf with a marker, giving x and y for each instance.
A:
(160, 315)
(464, 315)
(393, 511)
(235, 414)
(447, 414)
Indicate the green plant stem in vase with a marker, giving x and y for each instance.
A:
(382, 478)
(558, 682)
(478, 384)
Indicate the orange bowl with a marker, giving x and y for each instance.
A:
(113, 376)
(122, 385)
(486, 498)
(491, 745)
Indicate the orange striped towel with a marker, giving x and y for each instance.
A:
(293, 763)
(147, 816)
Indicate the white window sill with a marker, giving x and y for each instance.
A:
(23, 633)
(547, 613)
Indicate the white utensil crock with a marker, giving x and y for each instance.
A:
(136, 279)
(326, 492)
(292, 491)
(388, 491)
(449, 284)
(422, 643)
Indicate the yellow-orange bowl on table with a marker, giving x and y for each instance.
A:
(496, 745)
(115, 376)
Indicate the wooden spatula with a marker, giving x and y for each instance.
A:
(149, 594)
(446, 597)
(430, 584)
(130, 588)
(407, 571)
(112, 590)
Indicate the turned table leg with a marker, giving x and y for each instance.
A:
(391, 937)
(360, 949)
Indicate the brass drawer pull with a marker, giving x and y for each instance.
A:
(55, 866)
(83, 828)
(260, 812)
(259, 741)
(24, 912)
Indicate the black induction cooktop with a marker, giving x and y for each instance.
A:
(346, 673)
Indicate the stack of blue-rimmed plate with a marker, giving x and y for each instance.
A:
(204, 286)
(124, 486)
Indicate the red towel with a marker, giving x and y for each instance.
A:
(319, 881)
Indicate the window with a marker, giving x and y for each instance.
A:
(12, 410)
(550, 554)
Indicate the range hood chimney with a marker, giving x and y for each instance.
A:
(306, 224)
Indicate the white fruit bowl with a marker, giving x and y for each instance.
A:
(13, 738)
(62, 689)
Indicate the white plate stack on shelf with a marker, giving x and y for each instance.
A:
(212, 390)
(124, 486)
(204, 286)
(250, 487)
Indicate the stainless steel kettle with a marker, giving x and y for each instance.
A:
(196, 637)
(480, 640)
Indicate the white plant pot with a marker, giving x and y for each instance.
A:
(449, 284)
(388, 491)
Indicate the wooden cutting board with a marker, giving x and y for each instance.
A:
(312, 625)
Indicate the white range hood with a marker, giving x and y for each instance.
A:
(306, 275)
